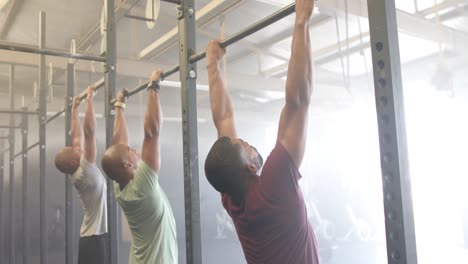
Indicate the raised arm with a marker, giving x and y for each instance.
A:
(292, 131)
(90, 127)
(120, 122)
(221, 104)
(75, 129)
(150, 152)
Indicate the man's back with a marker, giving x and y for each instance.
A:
(149, 217)
(92, 189)
(272, 222)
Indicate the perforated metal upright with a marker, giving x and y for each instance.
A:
(69, 206)
(24, 176)
(42, 141)
(399, 220)
(109, 94)
(11, 160)
(188, 79)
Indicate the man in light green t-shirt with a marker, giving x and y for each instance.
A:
(137, 190)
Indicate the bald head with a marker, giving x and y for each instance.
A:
(118, 162)
(67, 160)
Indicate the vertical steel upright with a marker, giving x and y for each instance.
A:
(399, 220)
(24, 172)
(109, 94)
(42, 140)
(188, 79)
(69, 206)
(2, 201)
(11, 160)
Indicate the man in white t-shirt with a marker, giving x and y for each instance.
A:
(136, 185)
(90, 183)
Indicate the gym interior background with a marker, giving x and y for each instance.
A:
(342, 177)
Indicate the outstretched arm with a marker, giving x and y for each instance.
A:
(120, 122)
(75, 129)
(150, 152)
(221, 104)
(292, 131)
(90, 127)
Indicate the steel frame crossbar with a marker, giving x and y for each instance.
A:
(18, 112)
(275, 17)
(389, 104)
(97, 85)
(41, 51)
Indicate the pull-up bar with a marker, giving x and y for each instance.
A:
(282, 13)
(97, 85)
(8, 111)
(26, 150)
(56, 53)
(12, 127)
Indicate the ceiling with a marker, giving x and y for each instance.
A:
(257, 66)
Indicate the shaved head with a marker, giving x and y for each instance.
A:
(67, 160)
(117, 162)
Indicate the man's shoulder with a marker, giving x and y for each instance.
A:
(145, 169)
(143, 184)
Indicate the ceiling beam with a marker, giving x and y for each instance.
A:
(10, 16)
(441, 6)
(88, 39)
(325, 55)
(203, 16)
(413, 25)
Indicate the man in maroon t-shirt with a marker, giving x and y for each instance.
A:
(268, 211)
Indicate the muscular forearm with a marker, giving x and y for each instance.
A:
(299, 82)
(75, 130)
(90, 118)
(120, 127)
(221, 104)
(153, 115)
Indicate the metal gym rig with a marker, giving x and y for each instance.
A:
(399, 222)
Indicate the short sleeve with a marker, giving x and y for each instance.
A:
(142, 199)
(280, 174)
(146, 179)
(88, 174)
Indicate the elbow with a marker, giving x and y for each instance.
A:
(151, 131)
(89, 131)
(220, 118)
(299, 102)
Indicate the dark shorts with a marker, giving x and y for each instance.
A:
(93, 250)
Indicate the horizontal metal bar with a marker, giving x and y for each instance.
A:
(50, 119)
(5, 137)
(282, 13)
(13, 127)
(143, 86)
(7, 111)
(56, 53)
(139, 18)
(26, 150)
(98, 85)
